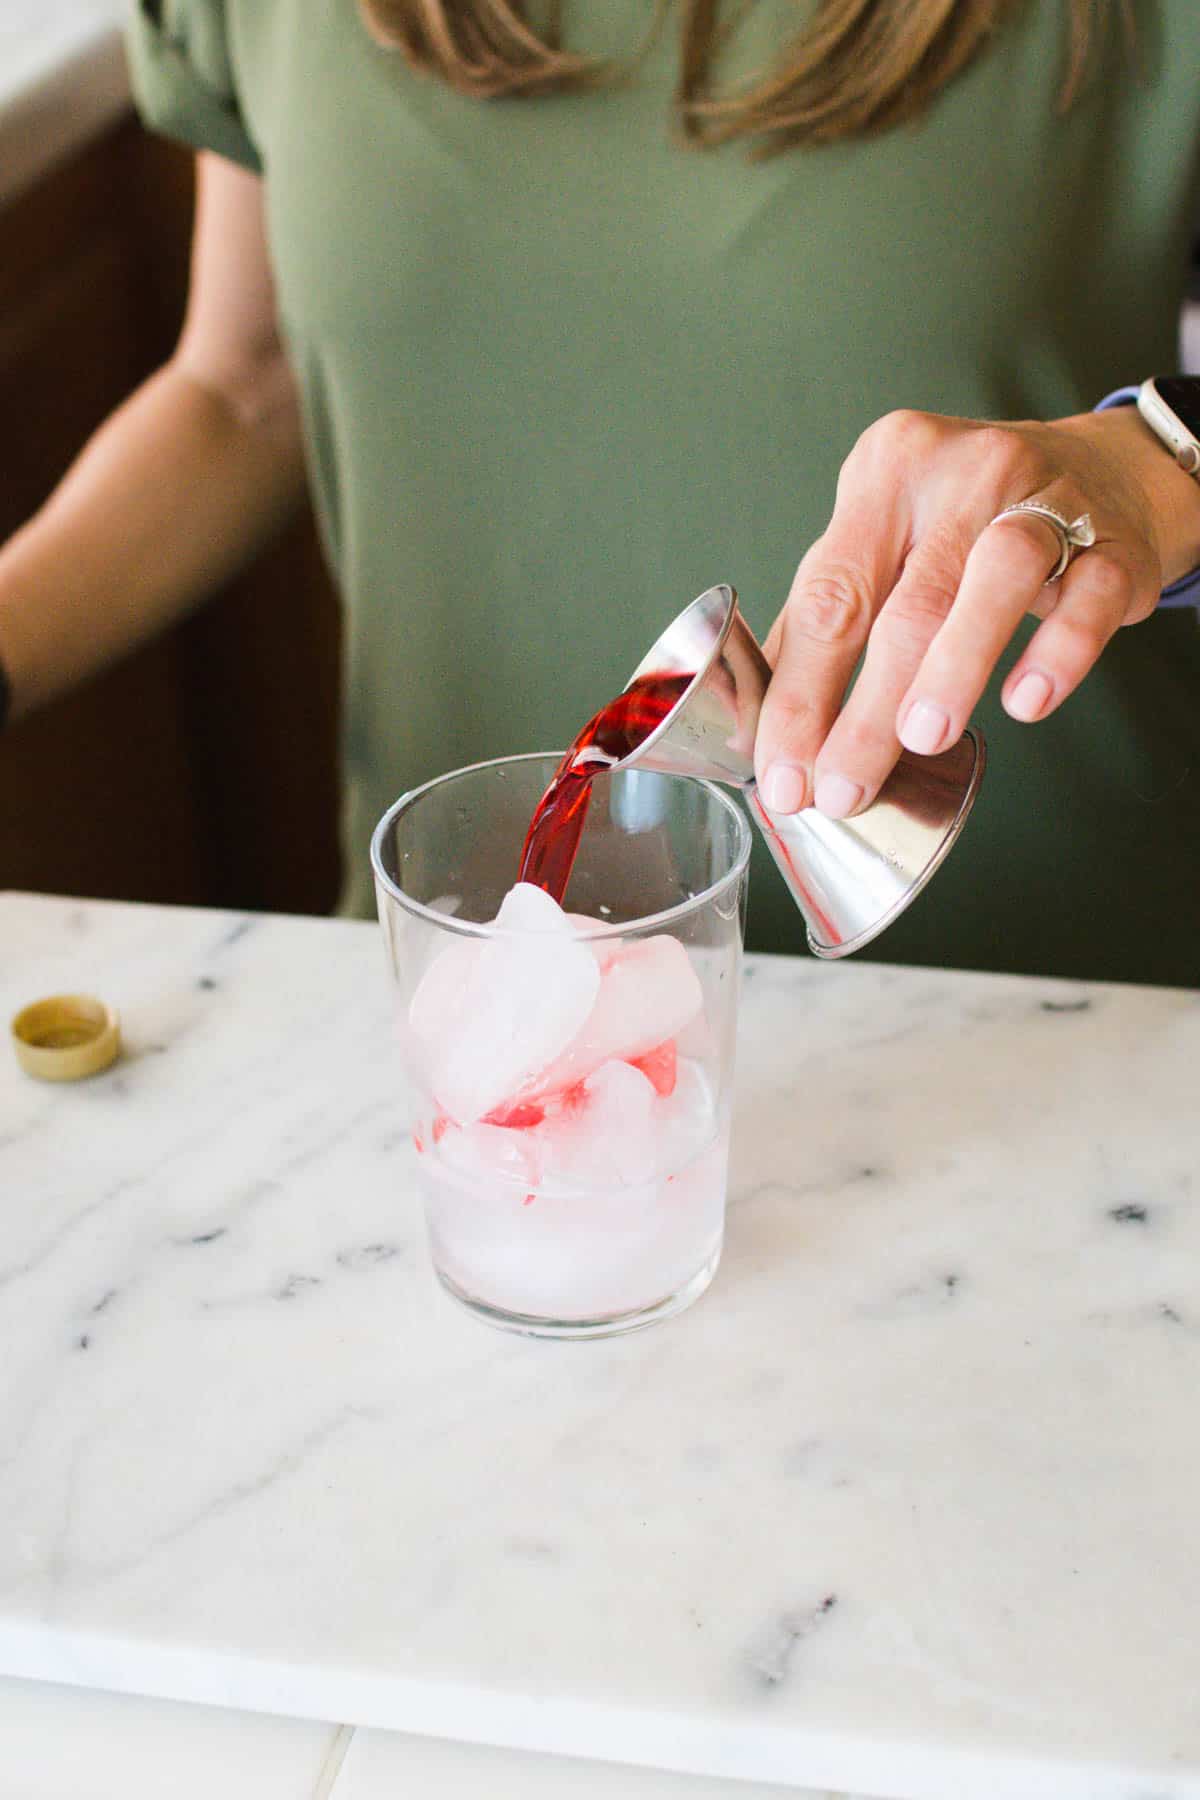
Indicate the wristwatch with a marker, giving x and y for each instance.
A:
(1170, 405)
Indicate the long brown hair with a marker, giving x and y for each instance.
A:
(858, 66)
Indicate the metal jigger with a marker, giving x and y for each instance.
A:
(849, 877)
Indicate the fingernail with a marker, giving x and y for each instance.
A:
(924, 728)
(835, 796)
(1029, 696)
(783, 789)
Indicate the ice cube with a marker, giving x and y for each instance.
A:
(648, 993)
(660, 1066)
(604, 949)
(529, 908)
(488, 1155)
(698, 1040)
(603, 1132)
(436, 1007)
(686, 1118)
(523, 999)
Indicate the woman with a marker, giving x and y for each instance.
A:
(558, 350)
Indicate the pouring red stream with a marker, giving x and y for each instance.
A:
(552, 841)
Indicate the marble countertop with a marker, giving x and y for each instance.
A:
(906, 1506)
(62, 81)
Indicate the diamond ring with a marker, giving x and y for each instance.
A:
(1077, 534)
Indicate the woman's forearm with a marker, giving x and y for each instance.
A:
(173, 494)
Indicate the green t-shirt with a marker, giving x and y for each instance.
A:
(560, 373)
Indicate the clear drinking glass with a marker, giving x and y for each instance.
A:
(585, 1196)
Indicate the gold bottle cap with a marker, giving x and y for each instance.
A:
(66, 1037)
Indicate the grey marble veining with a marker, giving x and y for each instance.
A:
(906, 1506)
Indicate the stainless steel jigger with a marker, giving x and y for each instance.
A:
(849, 877)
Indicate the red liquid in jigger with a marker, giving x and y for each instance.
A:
(552, 841)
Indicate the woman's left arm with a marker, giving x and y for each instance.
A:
(916, 569)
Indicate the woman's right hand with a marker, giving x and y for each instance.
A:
(916, 570)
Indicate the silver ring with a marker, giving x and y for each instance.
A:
(1078, 534)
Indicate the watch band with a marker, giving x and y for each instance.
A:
(1185, 591)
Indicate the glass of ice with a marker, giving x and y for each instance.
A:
(571, 1071)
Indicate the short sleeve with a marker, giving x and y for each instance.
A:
(183, 78)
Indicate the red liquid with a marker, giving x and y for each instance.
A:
(552, 841)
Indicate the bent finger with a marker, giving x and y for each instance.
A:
(1005, 573)
(1099, 591)
(862, 747)
(838, 589)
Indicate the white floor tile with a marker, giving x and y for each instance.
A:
(383, 1765)
(61, 1743)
